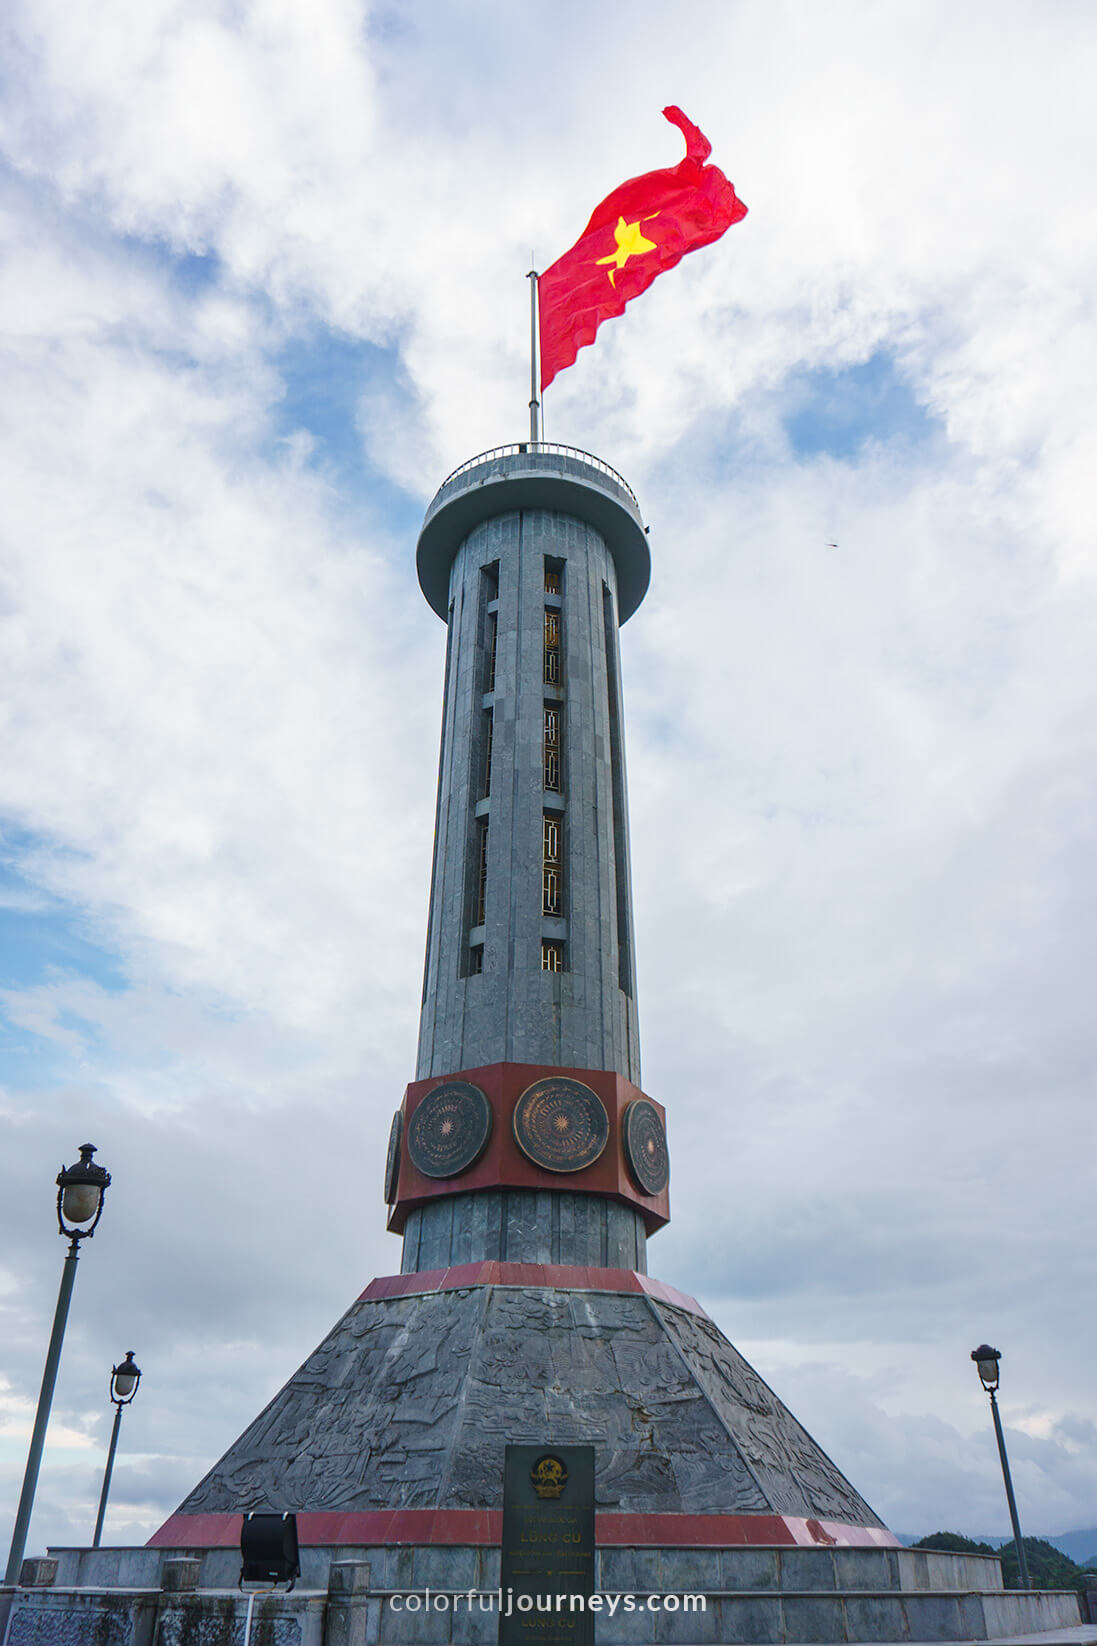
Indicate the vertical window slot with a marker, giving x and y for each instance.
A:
(617, 790)
(487, 633)
(480, 908)
(552, 879)
(489, 732)
(492, 644)
(480, 727)
(552, 646)
(553, 748)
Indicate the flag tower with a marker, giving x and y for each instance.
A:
(527, 1169)
(526, 1166)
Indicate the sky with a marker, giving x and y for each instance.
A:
(262, 286)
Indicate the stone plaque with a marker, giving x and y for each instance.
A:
(560, 1124)
(449, 1130)
(392, 1159)
(548, 1546)
(646, 1146)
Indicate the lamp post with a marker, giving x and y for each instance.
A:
(986, 1360)
(80, 1192)
(123, 1386)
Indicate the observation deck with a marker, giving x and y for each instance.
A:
(509, 479)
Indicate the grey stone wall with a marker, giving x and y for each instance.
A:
(750, 1594)
(525, 1226)
(512, 1010)
(50, 1618)
(759, 1568)
(102, 1617)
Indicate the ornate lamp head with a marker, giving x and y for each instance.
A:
(124, 1380)
(80, 1192)
(986, 1360)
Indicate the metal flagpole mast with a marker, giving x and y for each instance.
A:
(534, 402)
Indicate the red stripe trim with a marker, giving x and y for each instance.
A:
(372, 1527)
(562, 1276)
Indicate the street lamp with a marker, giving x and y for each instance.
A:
(986, 1362)
(123, 1386)
(80, 1192)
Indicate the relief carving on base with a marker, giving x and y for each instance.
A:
(410, 1401)
(795, 1473)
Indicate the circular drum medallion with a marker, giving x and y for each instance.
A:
(392, 1160)
(560, 1124)
(449, 1130)
(646, 1146)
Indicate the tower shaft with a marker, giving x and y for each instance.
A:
(532, 556)
(530, 947)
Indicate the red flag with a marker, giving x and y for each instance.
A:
(642, 228)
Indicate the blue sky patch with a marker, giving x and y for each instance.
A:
(836, 413)
(325, 373)
(191, 272)
(195, 271)
(42, 938)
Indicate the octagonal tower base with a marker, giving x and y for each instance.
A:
(388, 1445)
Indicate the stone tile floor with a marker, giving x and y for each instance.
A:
(1083, 1634)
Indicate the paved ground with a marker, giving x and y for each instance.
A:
(1082, 1634)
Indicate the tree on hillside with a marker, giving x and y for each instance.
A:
(952, 1543)
(1048, 1567)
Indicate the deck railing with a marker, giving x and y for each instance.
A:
(522, 447)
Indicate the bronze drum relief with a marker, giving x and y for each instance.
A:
(560, 1124)
(645, 1142)
(449, 1130)
(392, 1159)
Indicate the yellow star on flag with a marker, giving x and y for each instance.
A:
(630, 243)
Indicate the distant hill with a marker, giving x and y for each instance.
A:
(1080, 1546)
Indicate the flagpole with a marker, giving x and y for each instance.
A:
(534, 402)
